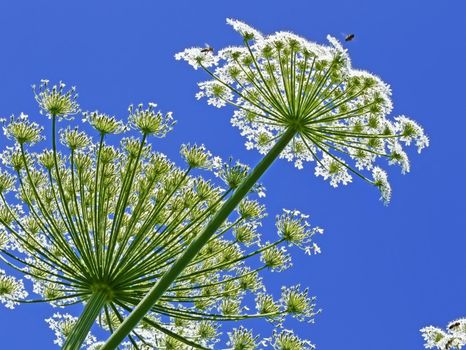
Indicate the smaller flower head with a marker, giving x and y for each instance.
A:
(233, 175)
(150, 122)
(434, 338)
(248, 32)
(250, 280)
(207, 330)
(381, 181)
(242, 339)
(62, 325)
(134, 147)
(399, 157)
(74, 139)
(196, 156)
(7, 182)
(103, 123)
(197, 57)
(411, 131)
(230, 307)
(246, 234)
(251, 210)
(11, 290)
(298, 303)
(286, 340)
(22, 130)
(294, 228)
(13, 157)
(55, 101)
(46, 159)
(4, 239)
(276, 259)
(333, 168)
(266, 305)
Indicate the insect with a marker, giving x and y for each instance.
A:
(449, 344)
(207, 48)
(349, 37)
(454, 325)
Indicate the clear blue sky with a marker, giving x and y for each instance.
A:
(385, 272)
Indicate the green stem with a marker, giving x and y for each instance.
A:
(180, 264)
(94, 306)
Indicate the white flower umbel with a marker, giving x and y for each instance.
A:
(11, 290)
(99, 224)
(62, 325)
(454, 337)
(55, 101)
(287, 340)
(283, 81)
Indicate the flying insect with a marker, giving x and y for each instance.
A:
(349, 37)
(207, 48)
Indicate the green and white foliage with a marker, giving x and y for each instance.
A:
(87, 220)
(454, 337)
(339, 114)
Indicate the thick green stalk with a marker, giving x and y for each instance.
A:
(94, 306)
(180, 264)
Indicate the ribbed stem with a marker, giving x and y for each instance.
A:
(91, 311)
(180, 264)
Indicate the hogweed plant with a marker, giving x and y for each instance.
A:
(301, 101)
(90, 221)
(454, 337)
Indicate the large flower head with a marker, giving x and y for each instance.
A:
(93, 217)
(283, 81)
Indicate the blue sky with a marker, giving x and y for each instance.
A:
(385, 272)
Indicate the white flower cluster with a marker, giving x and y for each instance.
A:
(453, 338)
(381, 181)
(149, 121)
(332, 168)
(55, 101)
(62, 325)
(243, 339)
(198, 57)
(22, 130)
(339, 114)
(197, 156)
(293, 227)
(11, 290)
(244, 29)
